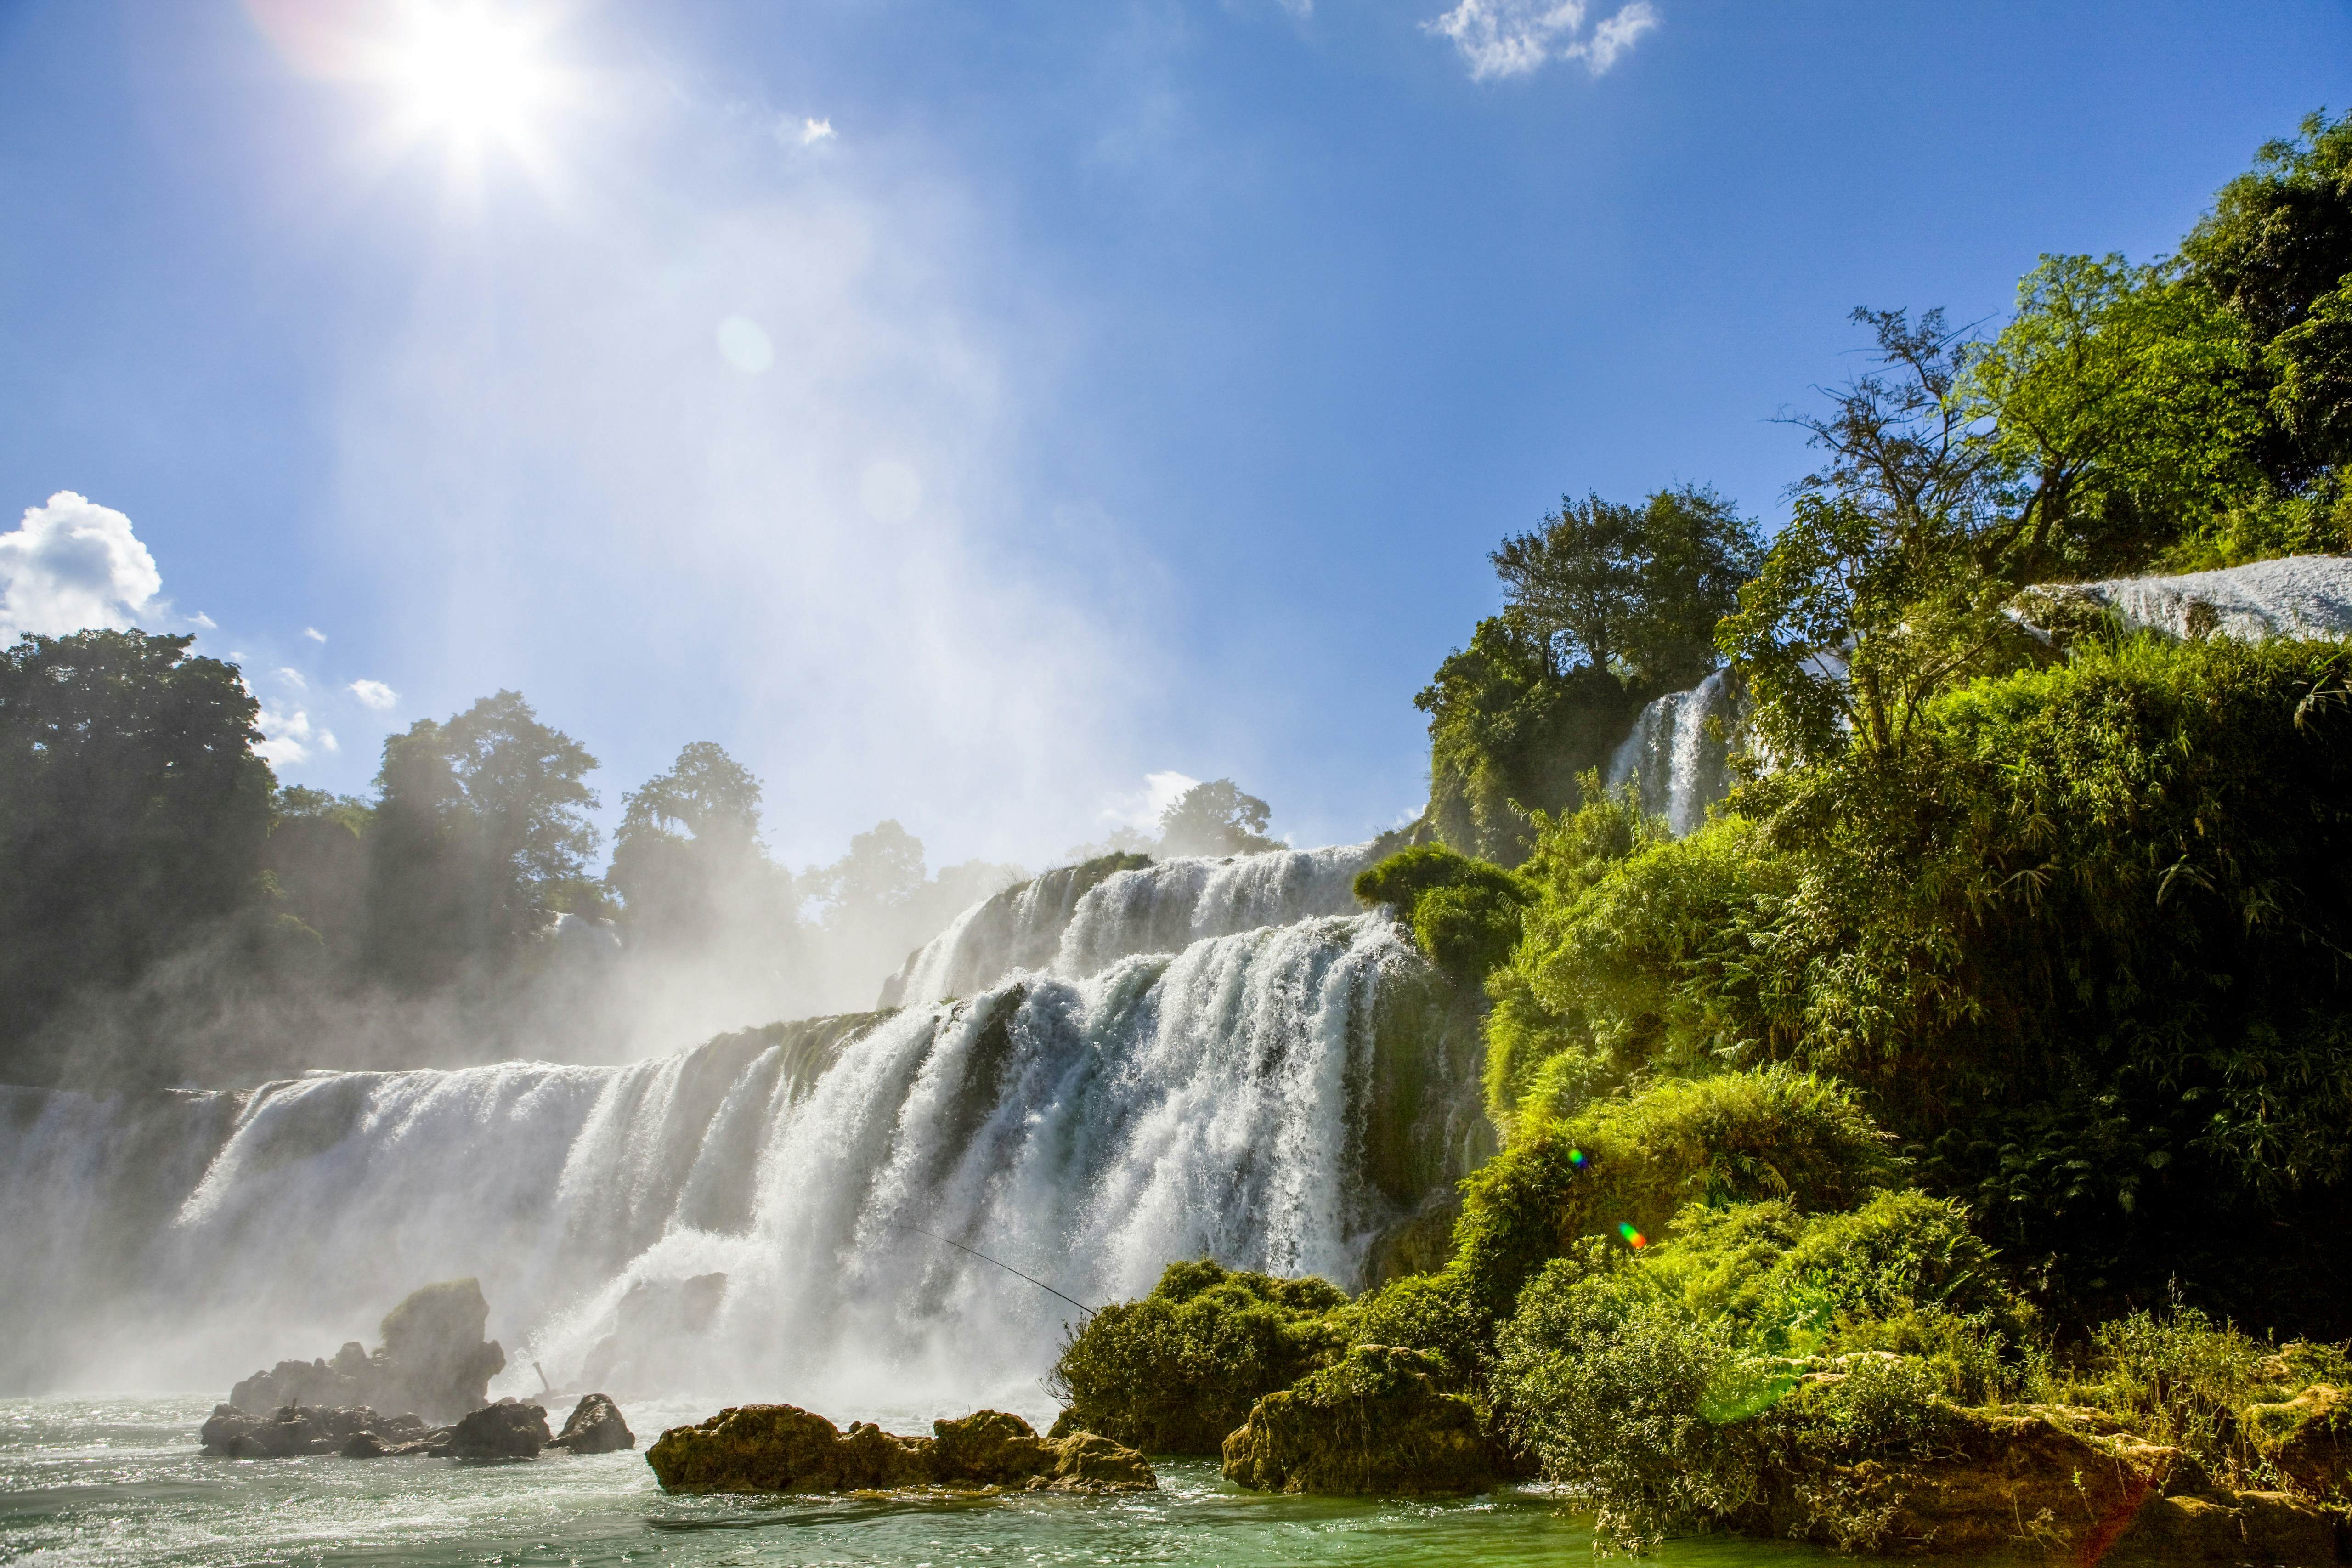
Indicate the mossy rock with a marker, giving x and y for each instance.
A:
(1374, 1423)
(783, 1448)
(2308, 1439)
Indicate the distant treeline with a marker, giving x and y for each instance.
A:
(170, 912)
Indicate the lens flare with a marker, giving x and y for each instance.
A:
(1633, 1238)
(470, 73)
(1576, 1158)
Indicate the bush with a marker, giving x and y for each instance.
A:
(1175, 1371)
(1465, 913)
(1604, 1373)
(1636, 1160)
(1436, 1314)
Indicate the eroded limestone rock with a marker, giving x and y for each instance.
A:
(783, 1448)
(1374, 1423)
(594, 1427)
(432, 1361)
(291, 1429)
(507, 1430)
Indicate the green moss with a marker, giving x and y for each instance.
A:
(1177, 1371)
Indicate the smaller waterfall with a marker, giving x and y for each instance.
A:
(1075, 921)
(1675, 758)
(2296, 596)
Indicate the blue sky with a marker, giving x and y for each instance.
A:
(1114, 388)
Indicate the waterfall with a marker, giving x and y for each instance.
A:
(1077, 921)
(2298, 595)
(1245, 1097)
(1673, 757)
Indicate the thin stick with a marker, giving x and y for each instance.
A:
(984, 1258)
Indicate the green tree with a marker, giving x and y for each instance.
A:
(1215, 818)
(1633, 590)
(481, 836)
(688, 855)
(132, 818)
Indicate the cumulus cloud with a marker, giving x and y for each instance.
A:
(1512, 37)
(206, 621)
(73, 564)
(314, 634)
(292, 677)
(375, 694)
(1142, 808)
(289, 736)
(815, 131)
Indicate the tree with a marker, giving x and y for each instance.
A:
(1214, 818)
(688, 854)
(482, 838)
(133, 816)
(1633, 590)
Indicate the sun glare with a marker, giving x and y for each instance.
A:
(470, 74)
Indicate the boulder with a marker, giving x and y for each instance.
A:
(291, 1429)
(783, 1448)
(433, 1360)
(507, 1430)
(1373, 1424)
(594, 1427)
(433, 1353)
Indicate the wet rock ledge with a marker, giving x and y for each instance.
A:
(783, 1448)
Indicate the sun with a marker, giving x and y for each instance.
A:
(471, 74)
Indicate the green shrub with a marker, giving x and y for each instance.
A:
(1465, 913)
(2181, 1378)
(1433, 1312)
(1602, 1374)
(1175, 1371)
(1636, 1160)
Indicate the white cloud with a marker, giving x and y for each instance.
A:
(286, 737)
(73, 564)
(815, 131)
(1512, 37)
(293, 678)
(375, 694)
(314, 634)
(206, 621)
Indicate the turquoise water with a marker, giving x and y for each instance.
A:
(105, 1481)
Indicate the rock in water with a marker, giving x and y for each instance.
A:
(433, 1353)
(595, 1428)
(783, 1448)
(433, 1360)
(507, 1430)
(293, 1429)
(1374, 1423)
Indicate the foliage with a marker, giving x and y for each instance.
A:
(1176, 1371)
(1634, 1160)
(1434, 1313)
(1215, 818)
(134, 814)
(1633, 590)
(687, 864)
(1509, 731)
(481, 836)
(1465, 913)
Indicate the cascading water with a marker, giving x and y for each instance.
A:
(1231, 1100)
(1076, 921)
(1674, 757)
(2297, 596)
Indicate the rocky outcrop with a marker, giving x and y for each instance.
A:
(294, 1429)
(1374, 1423)
(783, 1448)
(2032, 1482)
(432, 1361)
(2308, 1440)
(507, 1430)
(594, 1427)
